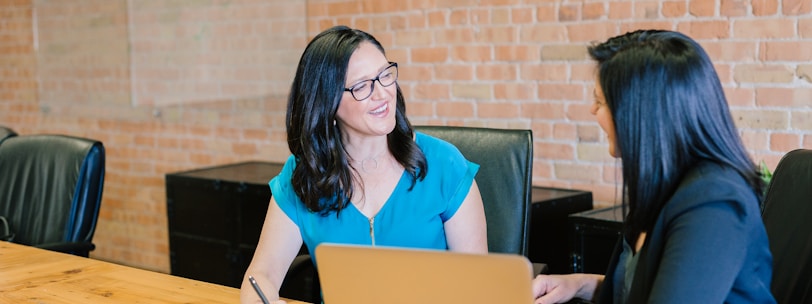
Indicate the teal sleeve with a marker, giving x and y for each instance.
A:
(461, 191)
(283, 194)
(448, 170)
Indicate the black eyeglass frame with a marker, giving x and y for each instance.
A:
(372, 82)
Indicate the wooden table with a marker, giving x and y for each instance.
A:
(32, 275)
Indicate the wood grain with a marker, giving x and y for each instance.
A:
(32, 275)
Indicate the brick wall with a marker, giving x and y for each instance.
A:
(176, 85)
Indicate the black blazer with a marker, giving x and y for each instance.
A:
(708, 245)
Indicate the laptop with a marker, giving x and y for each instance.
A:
(352, 274)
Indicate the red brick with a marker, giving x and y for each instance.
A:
(497, 35)
(429, 55)
(786, 51)
(702, 8)
(547, 33)
(620, 10)
(673, 9)
(733, 8)
(796, 7)
(552, 92)
(593, 11)
(724, 51)
(437, 91)
(764, 7)
(454, 72)
(472, 53)
(544, 72)
(455, 35)
(554, 151)
(548, 110)
(784, 142)
(647, 10)
(497, 110)
(805, 28)
(521, 15)
(568, 12)
(772, 97)
(455, 109)
(589, 32)
(547, 13)
(496, 72)
(516, 53)
(700, 30)
(514, 91)
(565, 132)
(764, 28)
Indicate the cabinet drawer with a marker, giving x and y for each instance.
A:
(200, 208)
(193, 258)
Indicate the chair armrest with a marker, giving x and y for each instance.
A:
(540, 268)
(302, 281)
(75, 248)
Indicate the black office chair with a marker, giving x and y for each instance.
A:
(787, 213)
(50, 191)
(6, 132)
(505, 157)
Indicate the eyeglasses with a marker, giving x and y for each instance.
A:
(363, 89)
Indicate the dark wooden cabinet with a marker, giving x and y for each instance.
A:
(215, 216)
(594, 235)
(549, 238)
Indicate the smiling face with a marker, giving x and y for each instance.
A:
(604, 117)
(375, 115)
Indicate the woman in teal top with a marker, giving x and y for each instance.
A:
(359, 173)
(410, 217)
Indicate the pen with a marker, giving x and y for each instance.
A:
(259, 291)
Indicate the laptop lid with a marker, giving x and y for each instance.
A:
(375, 275)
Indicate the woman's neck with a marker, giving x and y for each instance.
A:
(367, 153)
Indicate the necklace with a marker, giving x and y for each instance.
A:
(369, 164)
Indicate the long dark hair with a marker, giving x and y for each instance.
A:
(669, 113)
(323, 177)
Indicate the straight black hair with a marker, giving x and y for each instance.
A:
(669, 112)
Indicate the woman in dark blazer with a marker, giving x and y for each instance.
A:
(693, 232)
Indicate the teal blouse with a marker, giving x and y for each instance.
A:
(409, 218)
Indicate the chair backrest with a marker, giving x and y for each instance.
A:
(6, 132)
(51, 188)
(505, 176)
(787, 213)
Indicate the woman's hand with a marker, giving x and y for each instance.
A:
(550, 289)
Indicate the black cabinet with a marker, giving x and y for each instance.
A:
(594, 235)
(549, 238)
(215, 216)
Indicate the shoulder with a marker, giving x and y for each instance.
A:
(281, 184)
(287, 168)
(438, 151)
(709, 183)
(433, 145)
(443, 157)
